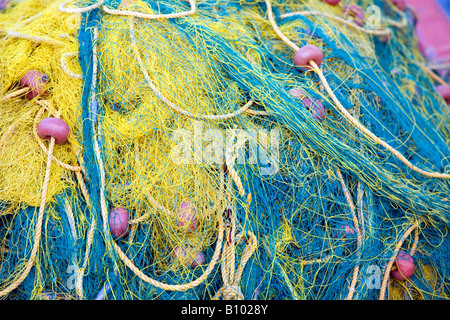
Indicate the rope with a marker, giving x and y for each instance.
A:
(152, 16)
(41, 40)
(228, 255)
(66, 166)
(237, 180)
(232, 172)
(438, 66)
(433, 75)
(181, 287)
(90, 237)
(366, 131)
(71, 218)
(392, 259)
(27, 20)
(277, 30)
(318, 260)
(379, 32)
(404, 22)
(104, 212)
(7, 211)
(360, 195)
(345, 113)
(38, 228)
(231, 276)
(348, 197)
(62, 7)
(15, 94)
(170, 103)
(66, 68)
(152, 200)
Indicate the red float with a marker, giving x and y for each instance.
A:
(118, 222)
(403, 267)
(35, 81)
(186, 217)
(53, 127)
(306, 54)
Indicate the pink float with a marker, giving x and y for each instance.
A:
(35, 81)
(306, 54)
(53, 127)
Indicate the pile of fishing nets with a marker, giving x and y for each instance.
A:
(220, 150)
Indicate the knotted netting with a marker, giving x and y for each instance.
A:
(302, 182)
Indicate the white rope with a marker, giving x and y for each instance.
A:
(152, 16)
(66, 68)
(42, 40)
(170, 103)
(62, 7)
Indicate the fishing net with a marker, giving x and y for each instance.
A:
(242, 175)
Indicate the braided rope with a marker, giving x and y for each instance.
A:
(15, 94)
(237, 180)
(104, 212)
(147, 215)
(42, 145)
(387, 271)
(152, 16)
(170, 103)
(433, 75)
(348, 197)
(136, 270)
(90, 237)
(71, 218)
(5, 137)
(346, 114)
(90, 240)
(366, 131)
(181, 287)
(378, 32)
(230, 275)
(277, 30)
(41, 40)
(66, 68)
(38, 228)
(404, 22)
(62, 7)
(7, 211)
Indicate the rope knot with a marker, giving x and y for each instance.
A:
(230, 274)
(232, 292)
